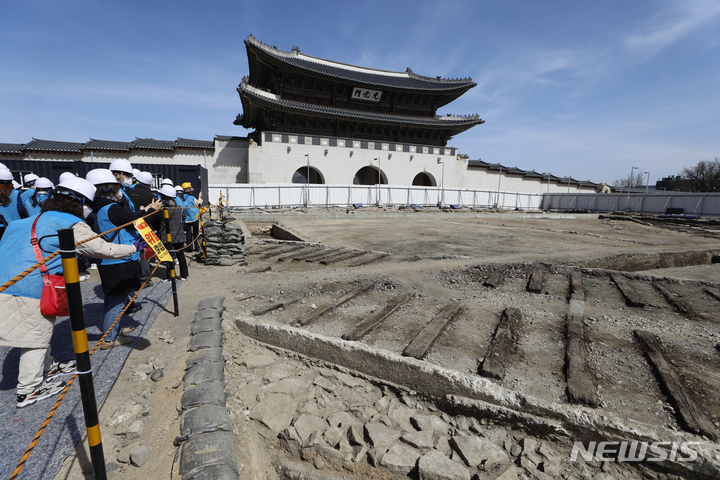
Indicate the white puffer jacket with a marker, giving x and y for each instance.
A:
(21, 323)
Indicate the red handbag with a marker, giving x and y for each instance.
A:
(53, 299)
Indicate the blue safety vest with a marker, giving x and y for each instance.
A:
(34, 210)
(191, 211)
(18, 254)
(15, 210)
(127, 197)
(124, 236)
(25, 194)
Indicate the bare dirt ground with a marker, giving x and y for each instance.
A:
(441, 258)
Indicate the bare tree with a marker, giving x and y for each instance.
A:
(631, 181)
(703, 177)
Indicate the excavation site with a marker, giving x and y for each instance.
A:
(471, 346)
(384, 344)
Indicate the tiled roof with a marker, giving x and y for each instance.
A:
(227, 138)
(257, 95)
(104, 145)
(53, 146)
(152, 144)
(107, 145)
(477, 163)
(188, 143)
(11, 148)
(403, 80)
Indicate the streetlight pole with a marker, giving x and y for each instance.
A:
(547, 194)
(647, 183)
(497, 199)
(630, 182)
(441, 203)
(378, 203)
(307, 181)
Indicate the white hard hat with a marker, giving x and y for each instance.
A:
(121, 165)
(178, 188)
(6, 174)
(43, 182)
(168, 191)
(66, 175)
(99, 176)
(166, 181)
(78, 185)
(144, 177)
(16, 185)
(135, 172)
(30, 177)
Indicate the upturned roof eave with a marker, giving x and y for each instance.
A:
(359, 116)
(361, 76)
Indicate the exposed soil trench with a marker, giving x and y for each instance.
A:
(313, 395)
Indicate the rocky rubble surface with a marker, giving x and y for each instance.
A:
(318, 420)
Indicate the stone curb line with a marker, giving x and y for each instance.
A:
(206, 437)
(482, 397)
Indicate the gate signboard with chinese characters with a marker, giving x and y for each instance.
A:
(365, 94)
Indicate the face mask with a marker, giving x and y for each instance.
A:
(86, 211)
(127, 182)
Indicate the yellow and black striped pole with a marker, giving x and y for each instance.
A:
(82, 355)
(171, 264)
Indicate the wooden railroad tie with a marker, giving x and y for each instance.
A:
(337, 253)
(535, 284)
(369, 259)
(318, 255)
(631, 296)
(306, 251)
(315, 314)
(280, 251)
(364, 327)
(258, 249)
(345, 256)
(274, 306)
(678, 304)
(713, 292)
(689, 412)
(581, 385)
(421, 344)
(502, 344)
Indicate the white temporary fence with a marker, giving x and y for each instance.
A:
(707, 204)
(285, 195)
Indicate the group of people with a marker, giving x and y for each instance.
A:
(102, 201)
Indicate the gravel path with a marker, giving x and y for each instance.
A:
(19, 426)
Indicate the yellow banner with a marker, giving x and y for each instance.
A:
(149, 236)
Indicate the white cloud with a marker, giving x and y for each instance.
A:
(688, 17)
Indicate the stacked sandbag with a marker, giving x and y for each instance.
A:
(224, 242)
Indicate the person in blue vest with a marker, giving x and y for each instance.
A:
(11, 206)
(122, 170)
(192, 222)
(168, 195)
(22, 325)
(118, 276)
(34, 202)
(29, 181)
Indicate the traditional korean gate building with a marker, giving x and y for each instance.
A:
(316, 121)
(352, 124)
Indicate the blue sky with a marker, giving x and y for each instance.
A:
(586, 89)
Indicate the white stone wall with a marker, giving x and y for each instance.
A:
(276, 162)
(229, 164)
